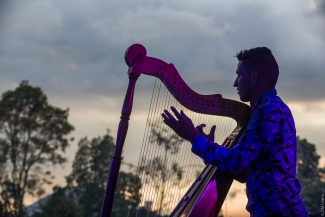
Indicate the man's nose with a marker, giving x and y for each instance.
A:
(236, 83)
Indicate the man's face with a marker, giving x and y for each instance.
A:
(243, 82)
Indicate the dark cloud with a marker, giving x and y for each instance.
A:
(321, 7)
(77, 49)
(5, 7)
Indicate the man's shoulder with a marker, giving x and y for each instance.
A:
(273, 105)
(276, 103)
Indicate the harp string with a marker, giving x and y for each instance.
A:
(166, 171)
(157, 153)
(171, 158)
(133, 205)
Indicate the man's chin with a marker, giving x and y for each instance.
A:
(243, 99)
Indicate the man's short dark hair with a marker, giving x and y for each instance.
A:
(262, 60)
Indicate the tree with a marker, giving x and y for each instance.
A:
(310, 176)
(90, 171)
(61, 204)
(32, 134)
(126, 194)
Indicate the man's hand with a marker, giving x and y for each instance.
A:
(183, 126)
(209, 136)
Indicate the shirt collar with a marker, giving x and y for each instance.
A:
(264, 98)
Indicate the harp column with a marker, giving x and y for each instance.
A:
(134, 57)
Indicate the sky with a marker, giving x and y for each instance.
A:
(74, 51)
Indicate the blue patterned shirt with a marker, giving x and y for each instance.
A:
(267, 154)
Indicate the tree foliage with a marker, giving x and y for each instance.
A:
(60, 204)
(92, 161)
(90, 171)
(126, 194)
(310, 176)
(32, 137)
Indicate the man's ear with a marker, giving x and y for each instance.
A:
(255, 77)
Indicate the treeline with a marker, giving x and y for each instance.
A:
(33, 136)
(84, 192)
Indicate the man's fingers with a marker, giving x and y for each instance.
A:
(212, 130)
(184, 115)
(169, 116)
(200, 128)
(164, 116)
(168, 121)
(175, 112)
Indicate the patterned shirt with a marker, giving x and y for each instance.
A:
(267, 153)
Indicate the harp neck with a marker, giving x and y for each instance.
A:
(213, 104)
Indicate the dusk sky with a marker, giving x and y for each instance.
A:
(74, 51)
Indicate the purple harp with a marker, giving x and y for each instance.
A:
(206, 195)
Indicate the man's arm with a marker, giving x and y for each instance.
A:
(260, 133)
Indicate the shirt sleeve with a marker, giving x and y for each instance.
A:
(263, 129)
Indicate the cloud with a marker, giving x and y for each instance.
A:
(76, 50)
(155, 24)
(318, 6)
(80, 47)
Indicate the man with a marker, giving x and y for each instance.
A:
(267, 151)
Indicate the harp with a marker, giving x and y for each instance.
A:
(206, 195)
